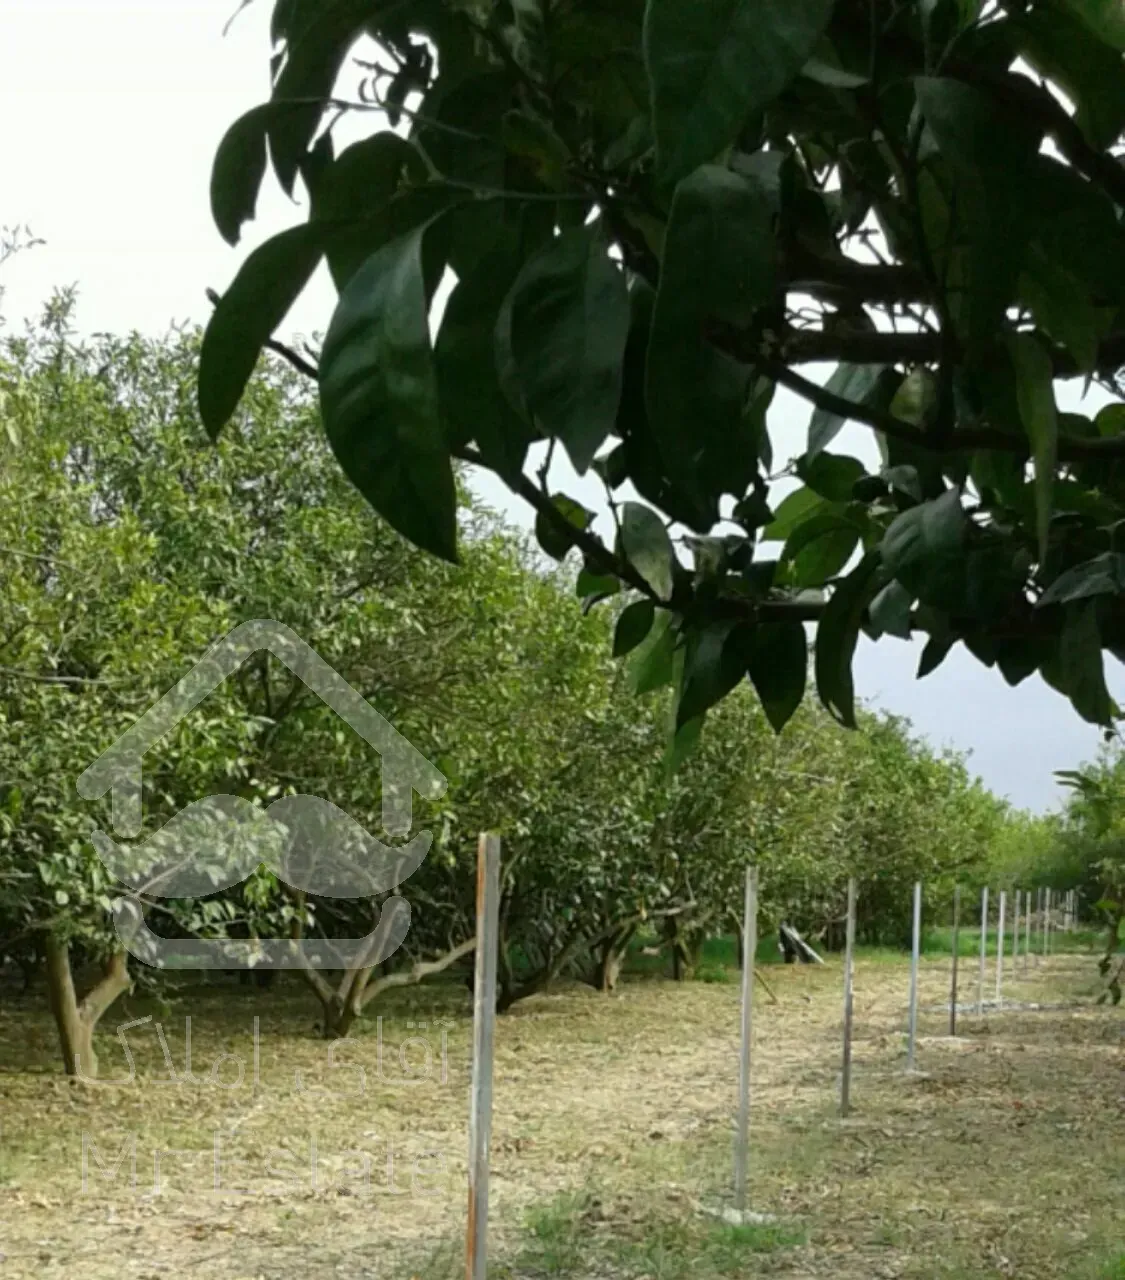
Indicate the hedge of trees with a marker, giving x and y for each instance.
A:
(130, 544)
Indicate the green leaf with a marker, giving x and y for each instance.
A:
(712, 65)
(258, 300)
(991, 152)
(1035, 393)
(633, 626)
(652, 666)
(314, 57)
(1062, 307)
(591, 583)
(552, 534)
(379, 398)
(923, 544)
(889, 613)
(570, 323)
(855, 382)
(684, 741)
(238, 170)
(934, 654)
(778, 664)
(1079, 670)
(714, 662)
(1105, 18)
(832, 475)
(819, 548)
(1102, 576)
(373, 192)
(798, 507)
(532, 139)
(719, 263)
(836, 638)
(472, 399)
(648, 548)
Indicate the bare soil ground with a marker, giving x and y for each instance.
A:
(1003, 1156)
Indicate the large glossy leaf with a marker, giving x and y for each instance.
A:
(853, 382)
(238, 170)
(991, 153)
(633, 626)
(1102, 576)
(570, 323)
(651, 666)
(258, 300)
(924, 545)
(648, 548)
(777, 657)
(801, 505)
(836, 638)
(1105, 18)
(355, 200)
(711, 65)
(889, 613)
(819, 548)
(714, 662)
(1035, 393)
(1078, 670)
(315, 53)
(379, 398)
(832, 475)
(553, 534)
(472, 399)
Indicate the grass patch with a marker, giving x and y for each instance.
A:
(697, 1248)
(554, 1234)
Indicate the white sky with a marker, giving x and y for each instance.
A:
(114, 109)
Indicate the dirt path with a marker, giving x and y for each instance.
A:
(1005, 1152)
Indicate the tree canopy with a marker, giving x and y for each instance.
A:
(657, 214)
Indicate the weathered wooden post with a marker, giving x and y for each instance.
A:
(849, 958)
(484, 1025)
(749, 947)
(983, 948)
(915, 950)
(956, 950)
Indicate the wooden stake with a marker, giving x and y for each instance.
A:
(484, 1024)
(915, 950)
(749, 948)
(849, 957)
(1000, 948)
(956, 948)
(983, 948)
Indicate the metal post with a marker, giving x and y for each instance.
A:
(915, 949)
(1000, 948)
(484, 1025)
(749, 947)
(956, 949)
(849, 956)
(1016, 933)
(1046, 921)
(983, 948)
(1027, 929)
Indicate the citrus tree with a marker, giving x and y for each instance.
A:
(657, 214)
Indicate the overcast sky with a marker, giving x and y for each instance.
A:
(113, 110)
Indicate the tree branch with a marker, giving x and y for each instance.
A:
(419, 970)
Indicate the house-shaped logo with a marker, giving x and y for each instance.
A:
(216, 842)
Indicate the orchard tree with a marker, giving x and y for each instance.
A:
(657, 214)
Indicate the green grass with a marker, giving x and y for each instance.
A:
(1114, 1269)
(561, 1237)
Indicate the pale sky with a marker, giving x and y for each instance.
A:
(113, 110)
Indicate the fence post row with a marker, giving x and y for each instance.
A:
(983, 948)
(1000, 948)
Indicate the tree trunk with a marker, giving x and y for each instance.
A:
(77, 1019)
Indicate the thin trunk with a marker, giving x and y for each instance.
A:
(76, 1019)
